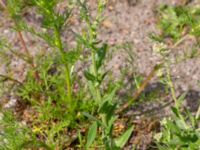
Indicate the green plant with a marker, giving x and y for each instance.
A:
(15, 135)
(181, 131)
(106, 127)
(178, 21)
(95, 75)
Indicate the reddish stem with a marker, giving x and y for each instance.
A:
(36, 74)
(141, 88)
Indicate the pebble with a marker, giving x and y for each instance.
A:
(11, 102)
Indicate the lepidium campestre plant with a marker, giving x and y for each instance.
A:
(181, 130)
(96, 75)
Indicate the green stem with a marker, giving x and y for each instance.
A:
(97, 88)
(198, 113)
(10, 79)
(68, 78)
(174, 94)
(171, 85)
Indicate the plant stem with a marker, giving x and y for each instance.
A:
(10, 78)
(25, 47)
(68, 78)
(171, 84)
(36, 75)
(97, 88)
(141, 88)
(198, 113)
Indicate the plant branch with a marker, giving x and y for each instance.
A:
(68, 78)
(97, 88)
(10, 78)
(19, 55)
(150, 76)
(141, 88)
(171, 85)
(36, 75)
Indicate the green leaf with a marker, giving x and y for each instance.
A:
(101, 54)
(171, 126)
(70, 57)
(181, 99)
(191, 118)
(91, 135)
(110, 124)
(101, 77)
(181, 124)
(108, 99)
(93, 118)
(176, 112)
(89, 76)
(121, 141)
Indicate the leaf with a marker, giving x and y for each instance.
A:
(181, 124)
(89, 76)
(110, 96)
(93, 118)
(83, 40)
(181, 99)
(101, 54)
(108, 99)
(109, 114)
(121, 141)
(171, 126)
(110, 124)
(91, 135)
(176, 111)
(101, 77)
(72, 56)
(191, 118)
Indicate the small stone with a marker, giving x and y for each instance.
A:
(6, 31)
(107, 24)
(110, 8)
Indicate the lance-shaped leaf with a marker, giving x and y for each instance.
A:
(122, 140)
(91, 134)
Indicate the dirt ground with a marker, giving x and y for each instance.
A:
(132, 21)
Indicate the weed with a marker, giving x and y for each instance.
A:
(178, 21)
(95, 76)
(180, 131)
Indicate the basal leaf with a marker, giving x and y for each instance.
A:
(122, 140)
(101, 54)
(89, 76)
(91, 134)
